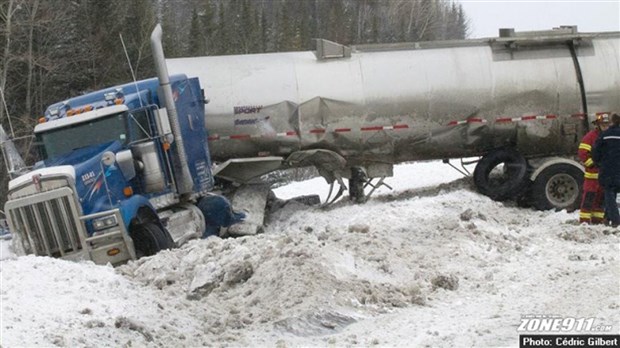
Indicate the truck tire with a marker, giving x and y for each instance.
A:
(558, 186)
(149, 239)
(501, 183)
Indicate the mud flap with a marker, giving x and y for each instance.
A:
(183, 223)
(252, 200)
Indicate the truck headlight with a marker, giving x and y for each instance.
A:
(104, 222)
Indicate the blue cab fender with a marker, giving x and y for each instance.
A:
(137, 207)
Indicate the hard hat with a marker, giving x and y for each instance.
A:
(601, 118)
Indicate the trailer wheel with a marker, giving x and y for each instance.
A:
(501, 174)
(558, 186)
(149, 239)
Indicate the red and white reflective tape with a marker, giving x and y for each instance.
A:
(287, 134)
(378, 128)
(233, 137)
(505, 119)
(362, 129)
(392, 127)
(311, 131)
(469, 120)
(526, 118)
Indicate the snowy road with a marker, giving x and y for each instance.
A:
(432, 263)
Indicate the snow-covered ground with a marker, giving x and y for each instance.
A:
(431, 263)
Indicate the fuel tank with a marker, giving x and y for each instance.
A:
(414, 101)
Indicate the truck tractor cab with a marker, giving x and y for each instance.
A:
(108, 168)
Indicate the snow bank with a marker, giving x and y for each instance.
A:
(432, 263)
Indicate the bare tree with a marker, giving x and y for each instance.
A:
(7, 11)
(30, 56)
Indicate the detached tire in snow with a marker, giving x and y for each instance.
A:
(149, 239)
(558, 186)
(501, 174)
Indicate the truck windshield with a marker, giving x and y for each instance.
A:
(61, 141)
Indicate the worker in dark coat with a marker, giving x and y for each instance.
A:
(218, 213)
(606, 154)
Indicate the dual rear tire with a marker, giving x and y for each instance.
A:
(558, 186)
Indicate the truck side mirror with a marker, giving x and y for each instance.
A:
(162, 121)
(124, 159)
(204, 99)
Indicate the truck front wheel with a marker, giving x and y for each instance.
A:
(557, 187)
(149, 238)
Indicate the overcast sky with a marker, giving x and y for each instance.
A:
(487, 16)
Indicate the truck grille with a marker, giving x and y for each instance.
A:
(46, 222)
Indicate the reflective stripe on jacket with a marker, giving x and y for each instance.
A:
(585, 154)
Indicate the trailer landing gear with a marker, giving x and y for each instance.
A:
(358, 183)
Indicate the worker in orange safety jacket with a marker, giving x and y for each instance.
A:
(592, 210)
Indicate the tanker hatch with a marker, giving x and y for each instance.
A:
(326, 49)
(562, 30)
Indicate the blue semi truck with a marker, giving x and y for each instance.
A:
(126, 172)
(125, 164)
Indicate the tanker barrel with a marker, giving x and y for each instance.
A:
(413, 101)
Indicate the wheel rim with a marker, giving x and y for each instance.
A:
(562, 190)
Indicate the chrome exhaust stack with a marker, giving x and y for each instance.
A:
(184, 182)
(13, 161)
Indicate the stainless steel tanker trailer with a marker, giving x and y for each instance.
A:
(522, 101)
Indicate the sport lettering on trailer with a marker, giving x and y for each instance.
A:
(247, 122)
(247, 109)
